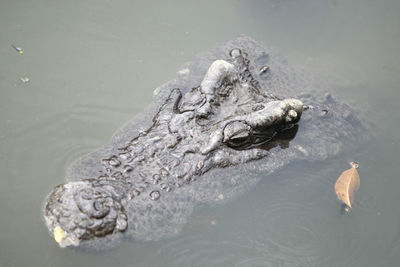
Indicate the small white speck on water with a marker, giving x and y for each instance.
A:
(184, 71)
(25, 79)
(302, 150)
(156, 91)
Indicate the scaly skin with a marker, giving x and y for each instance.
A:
(223, 122)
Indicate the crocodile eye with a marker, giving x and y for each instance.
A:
(237, 134)
(237, 141)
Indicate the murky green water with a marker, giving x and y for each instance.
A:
(93, 65)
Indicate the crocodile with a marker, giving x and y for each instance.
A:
(240, 108)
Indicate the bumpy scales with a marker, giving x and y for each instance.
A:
(224, 121)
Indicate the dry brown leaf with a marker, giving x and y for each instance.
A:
(348, 184)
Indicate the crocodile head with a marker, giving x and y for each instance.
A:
(225, 121)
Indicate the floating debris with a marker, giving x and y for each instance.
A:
(18, 49)
(264, 70)
(25, 79)
(347, 185)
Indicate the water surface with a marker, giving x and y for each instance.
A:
(93, 65)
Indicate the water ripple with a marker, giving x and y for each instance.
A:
(47, 146)
(287, 233)
(294, 232)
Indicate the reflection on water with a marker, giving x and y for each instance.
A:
(93, 65)
(281, 139)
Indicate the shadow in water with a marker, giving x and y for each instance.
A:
(263, 140)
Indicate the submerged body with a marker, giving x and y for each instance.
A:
(235, 108)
